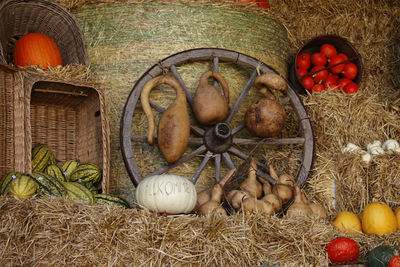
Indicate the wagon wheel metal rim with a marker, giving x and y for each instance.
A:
(222, 156)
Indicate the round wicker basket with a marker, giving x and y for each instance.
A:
(19, 17)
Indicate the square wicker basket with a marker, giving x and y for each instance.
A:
(68, 116)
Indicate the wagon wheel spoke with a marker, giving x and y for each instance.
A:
(197, 130)
(183, 159)
(269, 141)
(195, 141)
(217, 162)
(244, 156)
(180, 80)
(227, 160)
(143, 139)
(201, 167)
(216, 69)
(238, 128)
(242, 96)
(157, 107)
(265, 176)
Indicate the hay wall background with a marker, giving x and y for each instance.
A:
(46, 232)
(125, 39)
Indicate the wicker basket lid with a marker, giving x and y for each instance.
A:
(19, 17)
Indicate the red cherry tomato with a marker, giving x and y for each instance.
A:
(331, 83)
(335, 60)
(350, 71)
(328, 50)
(307, 82)
(394, 261)
(303, 61)
(350, 88)
(342, 83)
(301, 72)
(342, 249)
(344, 56)
(334, 75)
(318, 59)
(317, 88)
(320, 76)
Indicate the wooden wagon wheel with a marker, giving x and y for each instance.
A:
(215, 142)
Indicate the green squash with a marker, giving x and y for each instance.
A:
(380, 256)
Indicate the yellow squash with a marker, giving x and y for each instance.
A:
(378, 218)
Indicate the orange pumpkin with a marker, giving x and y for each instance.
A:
(36, 49)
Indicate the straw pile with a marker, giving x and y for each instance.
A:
(43, 231)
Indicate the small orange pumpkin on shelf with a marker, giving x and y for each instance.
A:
(36, 49)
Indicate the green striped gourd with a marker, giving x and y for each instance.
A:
(23, 187)
(105, 199)
(68, 167)
(79, 192)
(86, 173)
(42, 156)
(91, 187)
(56, 172)
(6, 181)
(48, 185)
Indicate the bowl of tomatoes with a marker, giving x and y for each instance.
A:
(327, 62)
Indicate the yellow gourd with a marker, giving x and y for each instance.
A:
(378, 218)
(397, 213)
(347, 222)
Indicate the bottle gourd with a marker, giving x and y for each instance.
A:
(174, 125)
(209, 105)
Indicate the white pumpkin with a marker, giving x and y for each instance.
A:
(168, 193)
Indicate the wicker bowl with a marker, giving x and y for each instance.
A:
(19, 17)
(312, 46)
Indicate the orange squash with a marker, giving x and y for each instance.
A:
(397, 213)
(378, 218)
(36, 49)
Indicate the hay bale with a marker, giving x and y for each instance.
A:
(53, 231)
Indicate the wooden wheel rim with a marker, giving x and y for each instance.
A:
(203, 54)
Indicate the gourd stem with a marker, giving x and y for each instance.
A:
(180, 80)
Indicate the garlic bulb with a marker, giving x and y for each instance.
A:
(375, 143)
(391, 145)
(350, 147)
(366, 157)
(376, 150)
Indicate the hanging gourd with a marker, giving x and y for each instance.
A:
(266, 117)
(36, 49)
(209, 105)
(174, 125)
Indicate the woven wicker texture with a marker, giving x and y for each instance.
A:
(12, 121)
(68, 116)
(19, 17)
(125, 40)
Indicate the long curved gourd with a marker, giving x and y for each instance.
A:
(209, 105)
(174, 125)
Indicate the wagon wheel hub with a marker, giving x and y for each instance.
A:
(218, 139)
